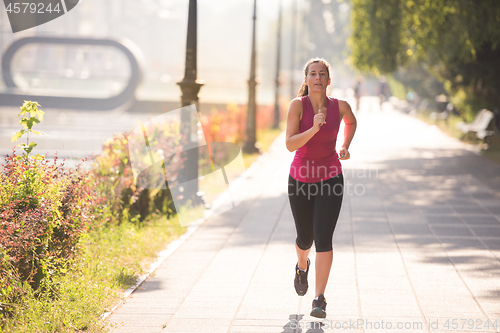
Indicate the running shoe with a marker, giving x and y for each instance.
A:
(300, 281)
(319, 307)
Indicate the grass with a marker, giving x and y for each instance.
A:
(110, 261)
(449, 127)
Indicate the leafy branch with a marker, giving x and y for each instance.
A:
(30, 114)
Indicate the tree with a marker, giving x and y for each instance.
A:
(456, 40)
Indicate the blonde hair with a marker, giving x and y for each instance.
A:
(304, 89)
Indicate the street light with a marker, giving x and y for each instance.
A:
(251, 128)
(190, 87)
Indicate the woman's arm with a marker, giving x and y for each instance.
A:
(349, 130)
(294, 140)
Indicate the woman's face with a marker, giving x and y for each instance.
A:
(317, 78)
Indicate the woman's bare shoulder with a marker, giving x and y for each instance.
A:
(342, 102)
(344, 106)
(296, 101)
(296, 107)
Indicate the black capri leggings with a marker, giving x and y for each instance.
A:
(316, 208)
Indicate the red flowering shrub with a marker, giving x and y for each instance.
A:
(265, 116)
(229, 125)
(225, 125)
(44, 209)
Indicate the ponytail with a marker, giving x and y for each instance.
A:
(304, 90)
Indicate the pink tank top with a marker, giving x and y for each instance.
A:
(317, 160)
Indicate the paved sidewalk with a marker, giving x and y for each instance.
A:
(417, 247)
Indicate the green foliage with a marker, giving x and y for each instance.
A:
(377, 51)
(118, 253)
(76, 308)
(397, 88)
(416, 78)
(389, 33)
(448, 125)
(44, 210)
(29, 116)
(110, 260)
(457, 40)
(467, 103)
(12, 288)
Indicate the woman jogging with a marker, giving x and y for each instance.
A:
(315, 183)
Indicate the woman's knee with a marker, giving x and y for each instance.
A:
(304, 244)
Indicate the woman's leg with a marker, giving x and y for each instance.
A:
(323, 265)
(302, 206)
(326, 212)
(302, 256)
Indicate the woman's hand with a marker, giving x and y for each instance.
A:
(344, 154)
(319, 120)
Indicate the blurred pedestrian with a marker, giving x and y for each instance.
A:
(383, 90)
(357, 93)
(315, 182)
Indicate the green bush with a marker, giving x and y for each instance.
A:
(44, 210)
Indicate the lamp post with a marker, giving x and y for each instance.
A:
(278, 55)
(251, 127)
(190, 87)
